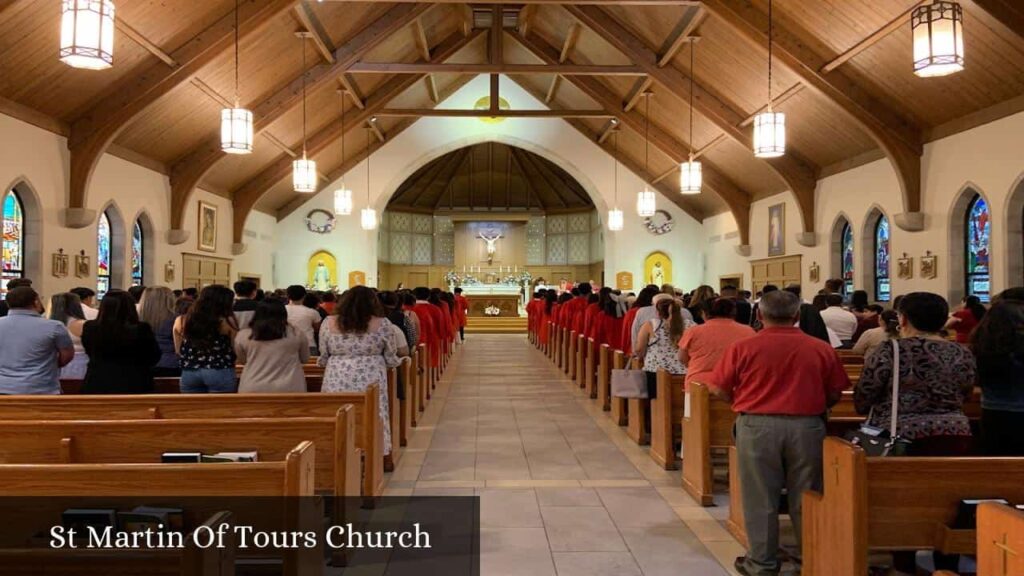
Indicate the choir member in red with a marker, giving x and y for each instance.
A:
(461, 308)
(579, 305)
(431, 324)
(608, 322)
(546, 315)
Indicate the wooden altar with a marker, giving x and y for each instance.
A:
(482, 296)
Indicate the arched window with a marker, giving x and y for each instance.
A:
(103, 255)
(137, 254)
(977, 248)
(13, 239)
(846, 253)
(882, 259)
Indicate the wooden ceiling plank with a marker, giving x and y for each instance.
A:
(895, 24)
(466, 15)
(348, 84)
(526, 14)
(317, 33)
(531, 189)
(1009, 13)
(637, 92)
(122, 26)
(419, 36)
(665, 174)
(97, 128)
(455, 113)
(548, 2)
(188, 171)
(799, 175)
(489, 68)
(435, 97)
(798, 51)
(217, 97)
(570, 42)
(247, 195)
(777, 101)
(411, 192)
(528, 159)
(683, 33)
(449, 169)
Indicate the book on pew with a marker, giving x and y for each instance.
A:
(80, 519)
(181, 457)
(199, 457)
(173, 518)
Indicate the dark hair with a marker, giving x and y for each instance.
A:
(550, 297)
(259, 296)
(458, 290)
(728, 288)
(182, 305)
(793, 289)
(270, 321)
(859, 300)
(604, 296)
(407, 298)
(564, 297)
(768, 288)
(584, 288)
(22, 297)
(388, 300)
(646, 296)
(18, 283)
(357, 307)
(202, 324)
(820, 302)
(998, 340)
(876, 308)
(311, 301)
(834, 285)
(575, 291)
(421, 293)
(245, 288)
(328, 297)
(136, 292)
(925, 311)
(296, 293)
(82, 292)
(669, 309)
(721, 308)
(890, 320)
(973, 303)
(177, 293)
(116, 315)
(191, 292)
(65, 307)
(592, 298)
(435, 297)
(834, 299)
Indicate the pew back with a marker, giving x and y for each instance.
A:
(1000, 540)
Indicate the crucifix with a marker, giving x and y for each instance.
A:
(492, 244)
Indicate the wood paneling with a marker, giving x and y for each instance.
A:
(780, 271)
(199, 271)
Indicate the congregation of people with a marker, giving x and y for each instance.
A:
(774, 357)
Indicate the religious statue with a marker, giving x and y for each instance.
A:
(657, 275)
(492, 244)
(321, 277)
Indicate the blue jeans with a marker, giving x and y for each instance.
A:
(209, 381)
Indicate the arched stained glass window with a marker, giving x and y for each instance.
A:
(137, 254)
(13, 240)
(846, 253)
(103, 256)
(979, 228)
(882, 259)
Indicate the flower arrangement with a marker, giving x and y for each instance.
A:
(452, 278)
(525, 277)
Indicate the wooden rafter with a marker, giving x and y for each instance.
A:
(609, 128)
(247, 195)
(637, 92)
(432, 91)
(872, 39)
(352, 91)
(453, 113)
(1009, 13)
(547, 2)
(527, 159)
(683, 33)
(530, 188)
(311, 25)
(94, 131)
(799, 175)
(800, 52)
(419, 37)
(488, 68)
(374, 127)
(737, 199)
(123, 27)
(448, 170)
(567, 47)
(526, 18)
(776, 102)
(187, 172)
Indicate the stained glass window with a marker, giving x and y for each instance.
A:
(137, 254)
(882, 260)
(13, 240)
(979, 227)
(103, 254)
(846, 253)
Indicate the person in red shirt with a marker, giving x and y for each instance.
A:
(597, 303)
(431, 324)
(781, 382)
(547, 311)
(533, 312)
(578, 305)
(560, 315)
(447, 330)
(607, 327)
(966, 318)
(461, 309)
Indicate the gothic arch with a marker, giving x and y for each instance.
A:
(955, 236)
(1014, 257)
(148, 247)
(867, 249)
(119, 261)
(32, 217)
(835, 250)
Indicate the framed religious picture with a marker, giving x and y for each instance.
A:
(777, 230)
(60, 264)
(929, 266)
(815, 273)
(905, 267)
(207, 227)
(82, 265)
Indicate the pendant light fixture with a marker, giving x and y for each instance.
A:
(87, 34)
(368, 216)
(690, 172)
(304, 176)
(236, 131)
(938, 38)
(342, 195)
(646, 201)
(615, 216)
(769, 126)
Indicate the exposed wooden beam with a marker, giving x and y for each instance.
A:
(348, 84)
(776, 102)
(637, 92)
(187, 172)
(610, 127)
(526, 14)
(93, 131)
(419, 37)
(1009, 13)
(466, 15)
(447, 173)
(798, 174)
(570, 42)
(665, 174)
(799, 51)
(447, 113)
(683, 33)
(895, 24)
(435, 96)
(247, 195)
(425, 68)
(373, 126)
(549, 2)
(530, 188)
(137, 37)
(212, 93)
(528, 159)
(311, 24)
(496, 55)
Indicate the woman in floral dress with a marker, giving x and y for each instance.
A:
(356, 349)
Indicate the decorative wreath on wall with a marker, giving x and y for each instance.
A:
(660, 223)
(320, 221)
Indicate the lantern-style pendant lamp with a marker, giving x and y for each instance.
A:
(236, 131)
(690, 177)
(770, 134)
(304, 176)
(646, 203)
(368, 219)
(615, 220)
(342, 200)
(938, 34)
(87, 34)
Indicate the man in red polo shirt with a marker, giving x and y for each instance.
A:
(780, 382)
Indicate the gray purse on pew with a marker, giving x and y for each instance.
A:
(876, 441)
(629, 382)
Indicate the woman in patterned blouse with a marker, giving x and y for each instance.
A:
(936, 377)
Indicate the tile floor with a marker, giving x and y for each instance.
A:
(562, 490)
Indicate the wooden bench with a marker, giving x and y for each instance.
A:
(581, 359)
(604, 377)
(369, 429)
(666, 419)
(573, 352)
(1000, 540)
(618, 406)
(567, 357)
(589, 384)
(407, 407)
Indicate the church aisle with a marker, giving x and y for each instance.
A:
(563, 491)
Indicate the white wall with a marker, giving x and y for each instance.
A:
(260, 242)
(430, 138)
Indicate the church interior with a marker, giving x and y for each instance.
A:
(486, 196)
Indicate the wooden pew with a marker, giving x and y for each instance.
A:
(567, 357)
(590, 367)
(573, 347)
(895, 504)
(556, 340)
(1000, 540)
(581, 359)
(422, 378)
(394, 417)
(618, 406)
(666, 419)
(369, 429)
(636, 417)
(407, 410)
(604, 377)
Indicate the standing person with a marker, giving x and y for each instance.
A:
(122, 351)
(780, 382)
(11, 285)
(88, 298)
(964, 320)
(461, 310)
(34, 348)
(700, 301)
(392, 310)
(547, 312)
(998, 346)
(245, 302)
(302, 318)
(608, 324)
(271, 351)
(412, 322)
(656, 343)
(838, 319)
(356, 349)
(203, 339)
(867, 320)
(158, 310)
(327, 303)
(431, 324)
(743, 308)
(578, 305)
(66, 308)
(702, 346)
(643, 300)
(810, 319)
(887, 327)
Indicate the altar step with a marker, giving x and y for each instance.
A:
(498, 325)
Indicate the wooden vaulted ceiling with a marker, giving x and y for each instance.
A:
(490, 176)
(843, 75)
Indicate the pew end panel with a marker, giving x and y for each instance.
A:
(618, 406)
(1000, 540)
(394, 416)
(666, 419)
(604, 378)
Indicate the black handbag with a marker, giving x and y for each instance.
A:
(877, 441)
